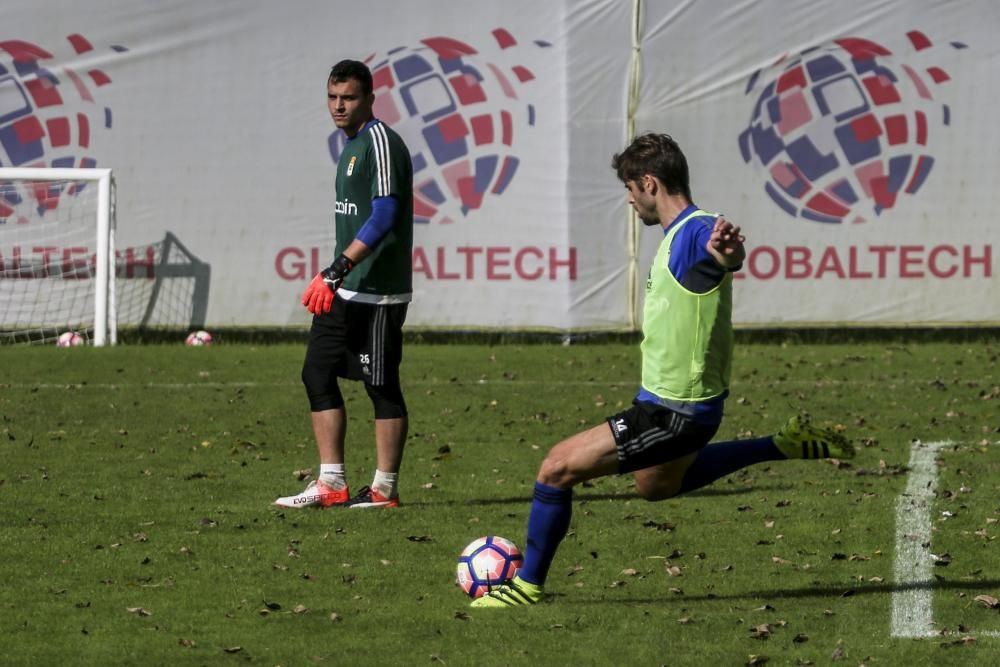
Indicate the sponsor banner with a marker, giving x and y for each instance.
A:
(850, 141)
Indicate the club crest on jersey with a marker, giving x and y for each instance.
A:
(350, 165)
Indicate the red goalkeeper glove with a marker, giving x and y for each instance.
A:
(318, 297)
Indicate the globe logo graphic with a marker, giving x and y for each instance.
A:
(49, 116)
(844, 130)
(461, 114)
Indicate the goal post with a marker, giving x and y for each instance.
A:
(57, 254)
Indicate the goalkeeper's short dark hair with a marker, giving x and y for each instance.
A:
(346, 70)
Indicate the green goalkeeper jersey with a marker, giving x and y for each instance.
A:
(376, 163)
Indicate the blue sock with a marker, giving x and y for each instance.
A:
(722, 458)
(551, 509)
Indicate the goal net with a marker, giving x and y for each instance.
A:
(60, 268)
(56, 250)
(161, 285)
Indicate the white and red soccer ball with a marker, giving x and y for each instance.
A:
(198, 338)
(487, 563)
(69, 339)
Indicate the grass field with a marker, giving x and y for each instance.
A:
(136, 524)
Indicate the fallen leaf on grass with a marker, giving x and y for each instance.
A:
(988, 601)
(420, 538)
(300, 609)
(233, 649)
(462, 615)
(780, 561)
(755, 660)
(139, 611)
(962, 641)
(186, 643)
(762, 631)
(944, 560)
(302, 474)
(664, 526)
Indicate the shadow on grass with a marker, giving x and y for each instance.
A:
(810, 592)
(584, 496)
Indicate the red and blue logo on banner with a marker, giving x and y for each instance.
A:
(844, 130)
(458, 112)
(48, 115)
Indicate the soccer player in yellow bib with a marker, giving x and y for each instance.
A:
(663, 439)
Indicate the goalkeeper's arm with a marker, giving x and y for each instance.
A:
(318, 296)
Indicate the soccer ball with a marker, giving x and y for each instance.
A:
(69, 339)
(486, 563)
(198, 338)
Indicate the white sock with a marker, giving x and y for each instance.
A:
(385, 483)
(333, 475)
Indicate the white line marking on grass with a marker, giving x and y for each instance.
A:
(912, 601)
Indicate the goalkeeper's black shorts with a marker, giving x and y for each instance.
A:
(358, 341)
(648, 434)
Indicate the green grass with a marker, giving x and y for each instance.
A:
(140, 478)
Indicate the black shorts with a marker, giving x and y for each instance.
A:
(358, 341)
(648, 434)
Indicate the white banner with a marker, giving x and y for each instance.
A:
(853, 144)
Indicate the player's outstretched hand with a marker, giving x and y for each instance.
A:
(727, 242)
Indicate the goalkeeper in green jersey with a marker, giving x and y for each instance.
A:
(359, 302)
(663, 439)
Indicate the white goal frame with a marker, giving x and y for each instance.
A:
(105, 313)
